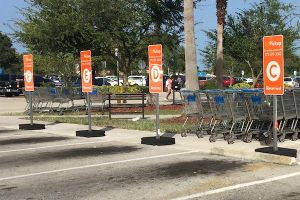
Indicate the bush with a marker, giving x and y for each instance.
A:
(209, 85)
(123, 89)
(241, 86)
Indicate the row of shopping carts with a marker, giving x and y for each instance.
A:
(61, 99)
(245, 114)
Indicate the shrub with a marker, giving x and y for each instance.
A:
(209, 85)
(241, 86)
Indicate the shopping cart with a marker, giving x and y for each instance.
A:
(289, 122)
(221, 112)
(254, 99)
(191, 100)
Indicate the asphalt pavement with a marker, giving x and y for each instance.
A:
(55, 164)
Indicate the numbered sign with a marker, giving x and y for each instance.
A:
(28, 72)
(86, 71)
(155, 69)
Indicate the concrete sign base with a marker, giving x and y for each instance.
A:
(157, 142)
(31, 126)
(92, 133)
(280, 152)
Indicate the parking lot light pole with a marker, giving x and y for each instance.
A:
(118, 75)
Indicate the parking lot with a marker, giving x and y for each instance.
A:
(54, 164)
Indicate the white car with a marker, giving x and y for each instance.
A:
(249, 80)
(290, 82)
(137, 80)
(115, 78)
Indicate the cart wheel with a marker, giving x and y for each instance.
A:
(183, 134)
(244, 138)
(199, 133)
(212, 138)
(226, 136)
(268, 140)
(294, 136)
(230, 140)
(281, 138)
(249, 138)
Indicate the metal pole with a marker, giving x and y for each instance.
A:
(275, 123)
(157, 117)
(118, 75)
(31, 113)
(89, 111)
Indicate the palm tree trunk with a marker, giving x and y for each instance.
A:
(220, 58)
(190, 48)
(221, 6)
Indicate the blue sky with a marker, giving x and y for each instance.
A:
(205, 17)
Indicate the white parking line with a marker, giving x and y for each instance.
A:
(238, 186)
(52, 146)
(19, 134)
(95, 165)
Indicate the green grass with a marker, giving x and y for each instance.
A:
(143, 124)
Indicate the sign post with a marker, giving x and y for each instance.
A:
(29, 87)
(273, 67)
(87, 87)
(156, 87)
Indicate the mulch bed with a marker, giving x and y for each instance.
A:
(149, 108)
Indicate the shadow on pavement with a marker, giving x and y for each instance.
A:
(32, 140)
(199, 167)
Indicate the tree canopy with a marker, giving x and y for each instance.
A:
(243, 36)
(8, 56)
(55, 27)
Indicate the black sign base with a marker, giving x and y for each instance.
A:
(31, 126)
(92, 133)
(158, 142)
(280, 152)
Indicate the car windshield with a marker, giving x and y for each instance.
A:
(135, 78)
(287, 79)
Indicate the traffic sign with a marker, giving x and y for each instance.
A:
(28, 72)
(86, 71)
(273, 62)
(155, 68)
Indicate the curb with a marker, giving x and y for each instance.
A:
(283, 160)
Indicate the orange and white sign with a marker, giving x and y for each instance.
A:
(28, 72)
(273, 65)
(86, 71)
(155, 69)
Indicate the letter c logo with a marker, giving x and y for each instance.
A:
(273, 71)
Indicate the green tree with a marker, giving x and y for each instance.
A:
(69, 26)
(244, 32)
(8, 57)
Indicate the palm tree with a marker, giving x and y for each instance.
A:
(221, 13)
(190, 49)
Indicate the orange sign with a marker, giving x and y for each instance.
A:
(155, 69)
(86, 71)
(273, 65)
(28, 72)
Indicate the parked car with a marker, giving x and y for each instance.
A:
(249, 80)
(137, 80)
(100, 81)
(112, 82)
(227, 81)
(203, 79)
(290, 82)
(115, 78)
(239, 80)
(9, 86)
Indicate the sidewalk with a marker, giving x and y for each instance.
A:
(239, 149)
